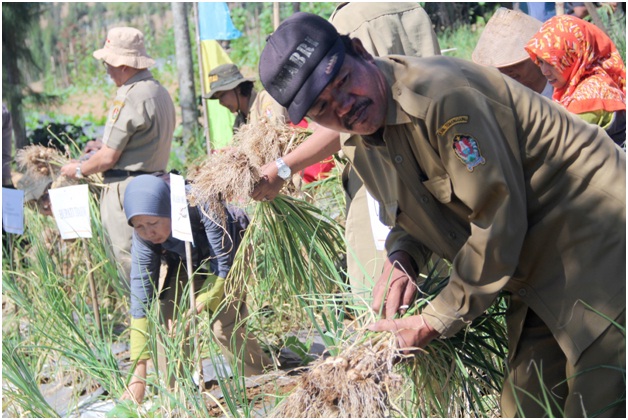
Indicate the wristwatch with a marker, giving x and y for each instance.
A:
(283, 170)
(78, 174)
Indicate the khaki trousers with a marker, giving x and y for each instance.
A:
(587, 388)
(227, 328)
(117, 230)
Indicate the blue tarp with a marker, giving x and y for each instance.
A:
(215, 22)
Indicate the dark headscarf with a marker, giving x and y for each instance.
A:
(147, 195)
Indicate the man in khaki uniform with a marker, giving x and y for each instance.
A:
(517, 193)
(137, 137)
(384, 28)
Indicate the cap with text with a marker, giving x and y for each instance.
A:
(299, 60)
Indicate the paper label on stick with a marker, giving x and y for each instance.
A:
(70, 208)
(181, 227)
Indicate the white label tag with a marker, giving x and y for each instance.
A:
(181, 227)
(70, 207)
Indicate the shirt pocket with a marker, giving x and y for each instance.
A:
(440, 187)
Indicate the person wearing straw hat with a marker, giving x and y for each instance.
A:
(519, 195)
(148, 212)
(237, 93)
(502, 43)
(137, 136)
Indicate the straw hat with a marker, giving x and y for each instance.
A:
(34, 187)
(225, 77)
(502, 41)
(125, 47)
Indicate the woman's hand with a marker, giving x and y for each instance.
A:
(137, 388)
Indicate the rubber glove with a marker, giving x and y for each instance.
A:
(211, 295)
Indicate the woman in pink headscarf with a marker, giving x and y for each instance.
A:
(588, 75)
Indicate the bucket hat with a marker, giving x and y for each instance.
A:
(225, 77)
(503, 40)
(124, 47)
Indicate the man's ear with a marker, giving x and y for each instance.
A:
(359, 48)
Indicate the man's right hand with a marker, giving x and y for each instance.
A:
(269, 184)
(396, 288)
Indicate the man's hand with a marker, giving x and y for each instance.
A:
(411, 332)
(395, 290)
(269, 184)
(69, 169)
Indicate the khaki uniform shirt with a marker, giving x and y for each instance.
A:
(140, 124)
(388, 28)
(518, 193)
(264, 106)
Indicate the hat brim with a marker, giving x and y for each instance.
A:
(118, 60)
(316, 82)
(227, 87)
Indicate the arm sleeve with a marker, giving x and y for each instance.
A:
(494, 192)
(123, 121)
(220, 242)
(145, 265)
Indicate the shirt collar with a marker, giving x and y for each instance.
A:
(394, 114)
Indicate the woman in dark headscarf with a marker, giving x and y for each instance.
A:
(147, 208)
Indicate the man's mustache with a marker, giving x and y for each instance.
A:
(357, 108)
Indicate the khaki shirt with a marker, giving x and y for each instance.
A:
(140, 124)
(388, 28)
(518, 193)
(264, 106)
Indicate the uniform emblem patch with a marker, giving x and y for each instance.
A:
(115, 112)
(468, 151)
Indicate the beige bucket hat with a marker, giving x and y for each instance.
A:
(125, 47)
(225, 77)
(502, 41)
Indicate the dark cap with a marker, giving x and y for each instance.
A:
(299, 60)
(225, 77)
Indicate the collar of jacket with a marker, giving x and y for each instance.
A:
(142, 75)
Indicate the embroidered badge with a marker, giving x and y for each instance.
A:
(462, 119)
(115, 112)
(468, 151)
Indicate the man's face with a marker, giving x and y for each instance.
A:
(355, 101)
(527, 73)
(228, 99)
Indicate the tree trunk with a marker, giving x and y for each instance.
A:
(185, 70)
(14, 97)
(276, 19)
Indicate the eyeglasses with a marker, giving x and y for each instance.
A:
(105, 65)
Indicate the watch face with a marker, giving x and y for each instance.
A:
(283, 172)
